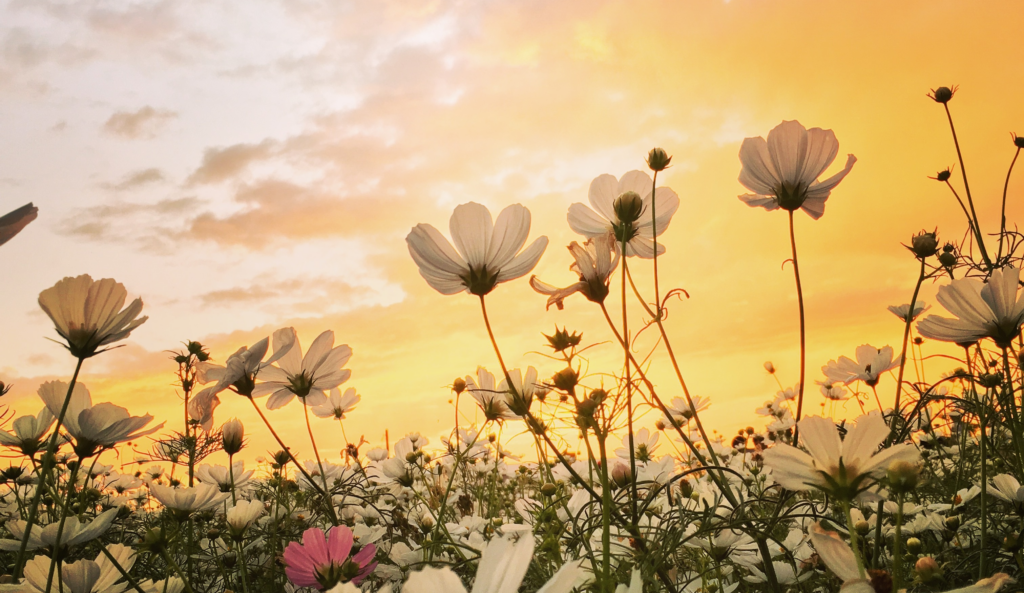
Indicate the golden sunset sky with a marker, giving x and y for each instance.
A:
(245, 166)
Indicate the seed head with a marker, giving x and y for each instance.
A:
(1018, 141)
(924, 244)
(942, 94)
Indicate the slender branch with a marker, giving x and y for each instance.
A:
(967, 188)
(1002, 219)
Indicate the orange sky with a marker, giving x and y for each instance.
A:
(247, 166)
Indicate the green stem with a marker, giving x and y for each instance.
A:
(329, 499)
(897, 547)
(803, 333)
(854, 540)
(48, 460)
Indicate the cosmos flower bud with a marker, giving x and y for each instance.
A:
(1018, 141)
(953, 523)
(233, 434)
(942, 94)
(281, 458)
(947, 259)
(913, 545)
(621, 475)
(459, 385)
(658, 159)
(628, 207)
(566, 380)
(903, 476)
(548, 489)
(768, 366)
(943, 176)
(924, 244)
(862, 527)
(927, 569)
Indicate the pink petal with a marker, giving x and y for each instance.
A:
(339, 544)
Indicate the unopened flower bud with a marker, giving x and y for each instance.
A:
(233, 434)
(566, 380)
(927, 569)
(281, 458)
(658, 159)
(862, 527)
(948, 260)
(628, 207)
(903, 476)
(953, 523)
(1018, 141)
(459, 385)
(548, 489)
(913, 545)
(942, 94)
(768, 366)
(924, 244)
(943, 175)
(622, 475)
(991, 379)
(586, 408)
(1010, 541)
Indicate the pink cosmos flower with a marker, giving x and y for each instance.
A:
(322, 562)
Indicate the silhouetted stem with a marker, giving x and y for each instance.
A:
(803, 332)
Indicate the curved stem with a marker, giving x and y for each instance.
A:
(629, 384)
(803, 332)
(1002, 219)
(967, 188)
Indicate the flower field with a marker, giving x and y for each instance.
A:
(914, 484)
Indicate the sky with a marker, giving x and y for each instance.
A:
(246, 166)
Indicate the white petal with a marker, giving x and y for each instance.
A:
(603, 191)
(471, 227)
(509, 235)
(524, 262)
(586, 222)
(758, 173)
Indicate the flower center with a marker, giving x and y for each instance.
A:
(300, 384)
(790, 196)
(480, 281)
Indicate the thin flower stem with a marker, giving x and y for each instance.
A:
(803, 332)
(316, 454)
(1010, 406)
(124, 573)
(57, 555)
(312, 482)
(231, 476)
(47, 465)
(494, 342)
(982, 413)
(607, 583)
(629, 390)
(654, 232)
(854, 543)
(967, 188)
(1002, 223)
(174, 566)
(897, 551)
(906, 338)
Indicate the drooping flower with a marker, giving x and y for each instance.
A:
(322, 562)
(88, 314)
(15, 220)
(75, 532)
(595, 262)
(199, 498)
(983, 310)
(1006, 488)
(93, 428)
(84, 576)
(502, 568)
(486, 252)
(902, 311)
(306, 377)
(337, 404)
(28, 432)
(870, 364)
(233, 436)
(238, 374)
(844, 467)
(783, 172)
(623, 209)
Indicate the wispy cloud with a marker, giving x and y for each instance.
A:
(144, 123)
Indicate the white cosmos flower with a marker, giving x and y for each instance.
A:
(15, 220)
(88, 314)
(901, 311)
(783, 172)
(839, 558)
(843, 467)
(492, 399)
(238, 373)
(242, 515)
(982, 310)
(202, 497)
(502, 568)
(1006, 487)
(220, 476)
(84, 576)
(595, 262)
(486, 252)
(93, 428)
(307, 377)
(28, 432)
(338, 404)
(626, 219)
(75, 532)
(870, 364)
